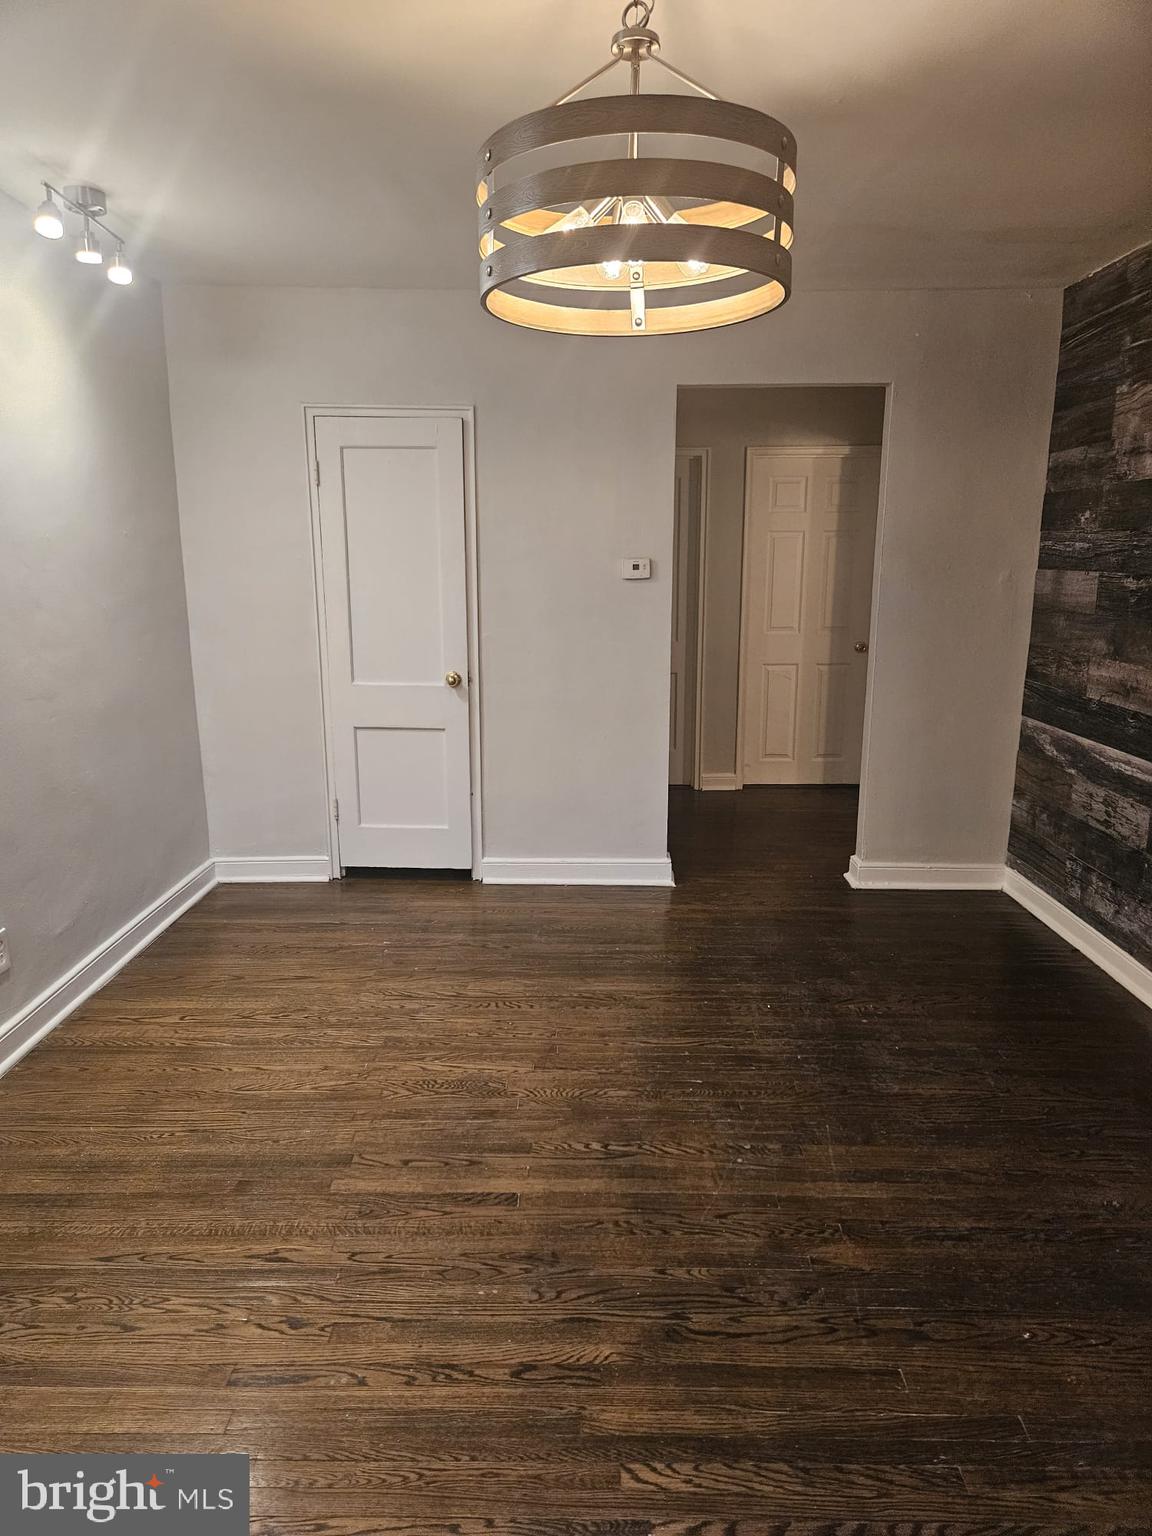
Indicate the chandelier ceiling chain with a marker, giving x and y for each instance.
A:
(636, 244)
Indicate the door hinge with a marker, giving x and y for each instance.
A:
(317, 474)
(336, 810)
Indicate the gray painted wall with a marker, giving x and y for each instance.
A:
(576, 455)
(101, 796)
(728, 421)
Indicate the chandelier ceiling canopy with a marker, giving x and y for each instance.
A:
(587, 235)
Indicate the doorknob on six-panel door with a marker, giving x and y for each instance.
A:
(453, 679)
(861, 646)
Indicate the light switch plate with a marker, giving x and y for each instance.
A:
(639, 568)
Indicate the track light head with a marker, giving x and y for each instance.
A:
(49, 219)
(88, 250)
(119, 271)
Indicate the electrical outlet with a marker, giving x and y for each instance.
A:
(5, 961)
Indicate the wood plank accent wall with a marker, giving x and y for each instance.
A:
(1082, 812)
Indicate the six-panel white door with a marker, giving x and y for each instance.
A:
(809, 537)
(391, 500)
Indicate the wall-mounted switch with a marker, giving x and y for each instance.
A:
(4, 959)
(639, 569)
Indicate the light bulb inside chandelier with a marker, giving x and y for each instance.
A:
(636, 242)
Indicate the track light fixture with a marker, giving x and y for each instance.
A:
(88, 204)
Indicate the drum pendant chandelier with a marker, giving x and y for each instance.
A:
(636, 243)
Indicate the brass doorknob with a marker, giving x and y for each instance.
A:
(453, 679)
(861, 646)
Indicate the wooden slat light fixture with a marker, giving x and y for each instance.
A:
(580, 238)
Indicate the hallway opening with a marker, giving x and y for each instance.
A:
(776, 505)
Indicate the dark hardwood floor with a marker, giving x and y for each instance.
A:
(761, 1207)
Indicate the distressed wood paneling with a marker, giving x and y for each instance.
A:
(1083, 803)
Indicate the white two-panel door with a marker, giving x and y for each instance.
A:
(809, 541)
(392, 532)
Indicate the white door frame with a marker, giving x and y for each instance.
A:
(467, 415)
(840, 451)
(704, 455)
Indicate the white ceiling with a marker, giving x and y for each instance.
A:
(953, 143)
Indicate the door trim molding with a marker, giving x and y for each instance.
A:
(466, 414)
(577, 871)
(827, 450)
(698, 775)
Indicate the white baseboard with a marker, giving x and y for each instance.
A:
(866, 875)
(1081, 935)
(233, 871)
(63, 997)
(577, 871)
(718, 781)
